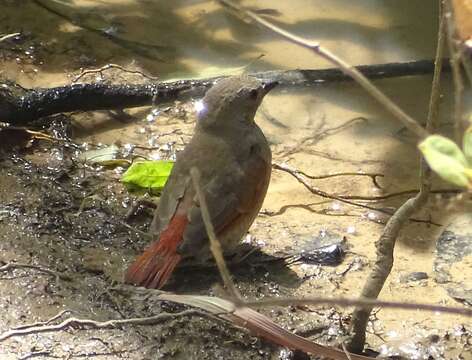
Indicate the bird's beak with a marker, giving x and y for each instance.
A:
(268, 86)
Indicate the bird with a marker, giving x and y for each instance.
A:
(234, 159)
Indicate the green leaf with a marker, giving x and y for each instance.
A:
(446, 159)
(147, 176)
(468, 145)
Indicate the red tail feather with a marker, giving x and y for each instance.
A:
(154, 267)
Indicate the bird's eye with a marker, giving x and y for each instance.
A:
(253, 94)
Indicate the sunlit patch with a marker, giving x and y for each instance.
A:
(128, 147)
(351, 230)
(155, 155)
(199, 107)
(336, 206)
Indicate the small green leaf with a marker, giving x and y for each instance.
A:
(147, 176)
(468, 145)
(446, 159)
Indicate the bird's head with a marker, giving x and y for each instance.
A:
(232, 101)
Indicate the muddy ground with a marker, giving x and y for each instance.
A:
(68, 218)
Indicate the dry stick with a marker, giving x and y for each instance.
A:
(365, 303)
(215, 245)
(347, 173)
(257, 323)
(20, 106)
(109, 324)
(42, 323)
(241, 314)
(396, 194)
(9, 36)
(386, 243)
(459, 126)
(348, 69)
(112, 66)
(235, 310)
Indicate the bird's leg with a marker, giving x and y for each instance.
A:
(142, 202)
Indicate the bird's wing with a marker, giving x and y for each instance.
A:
(231, 197)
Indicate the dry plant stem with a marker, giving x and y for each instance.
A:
(112, 66)
(396, 194)
(361, 303)
(8, 36)
(348, 69)
(343, 345)
(215, 245)
(258, 324)
(455, 59)
(386, 243)
(42, 323)
(74, 322)
(382, 267)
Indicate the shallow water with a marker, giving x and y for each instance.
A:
(322, 129)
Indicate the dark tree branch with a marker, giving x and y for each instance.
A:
(20, 106)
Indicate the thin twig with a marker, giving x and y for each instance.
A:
(258, 324)
(455, 61)
(297, 175)
(9, 36)
(343, 345)
(112, 66)
(324, 194)
(389, 105)
(215, 245)
(366, 303)
(347, 173)
(396, 194)
(386, 243)
(109, 324)
(42, 323)
(373, 176)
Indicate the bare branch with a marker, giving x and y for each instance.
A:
(41, 323)
(8, 36)
(386, 243)
(360, 302)
(89, 323)
(455, 60)
(19, 106)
